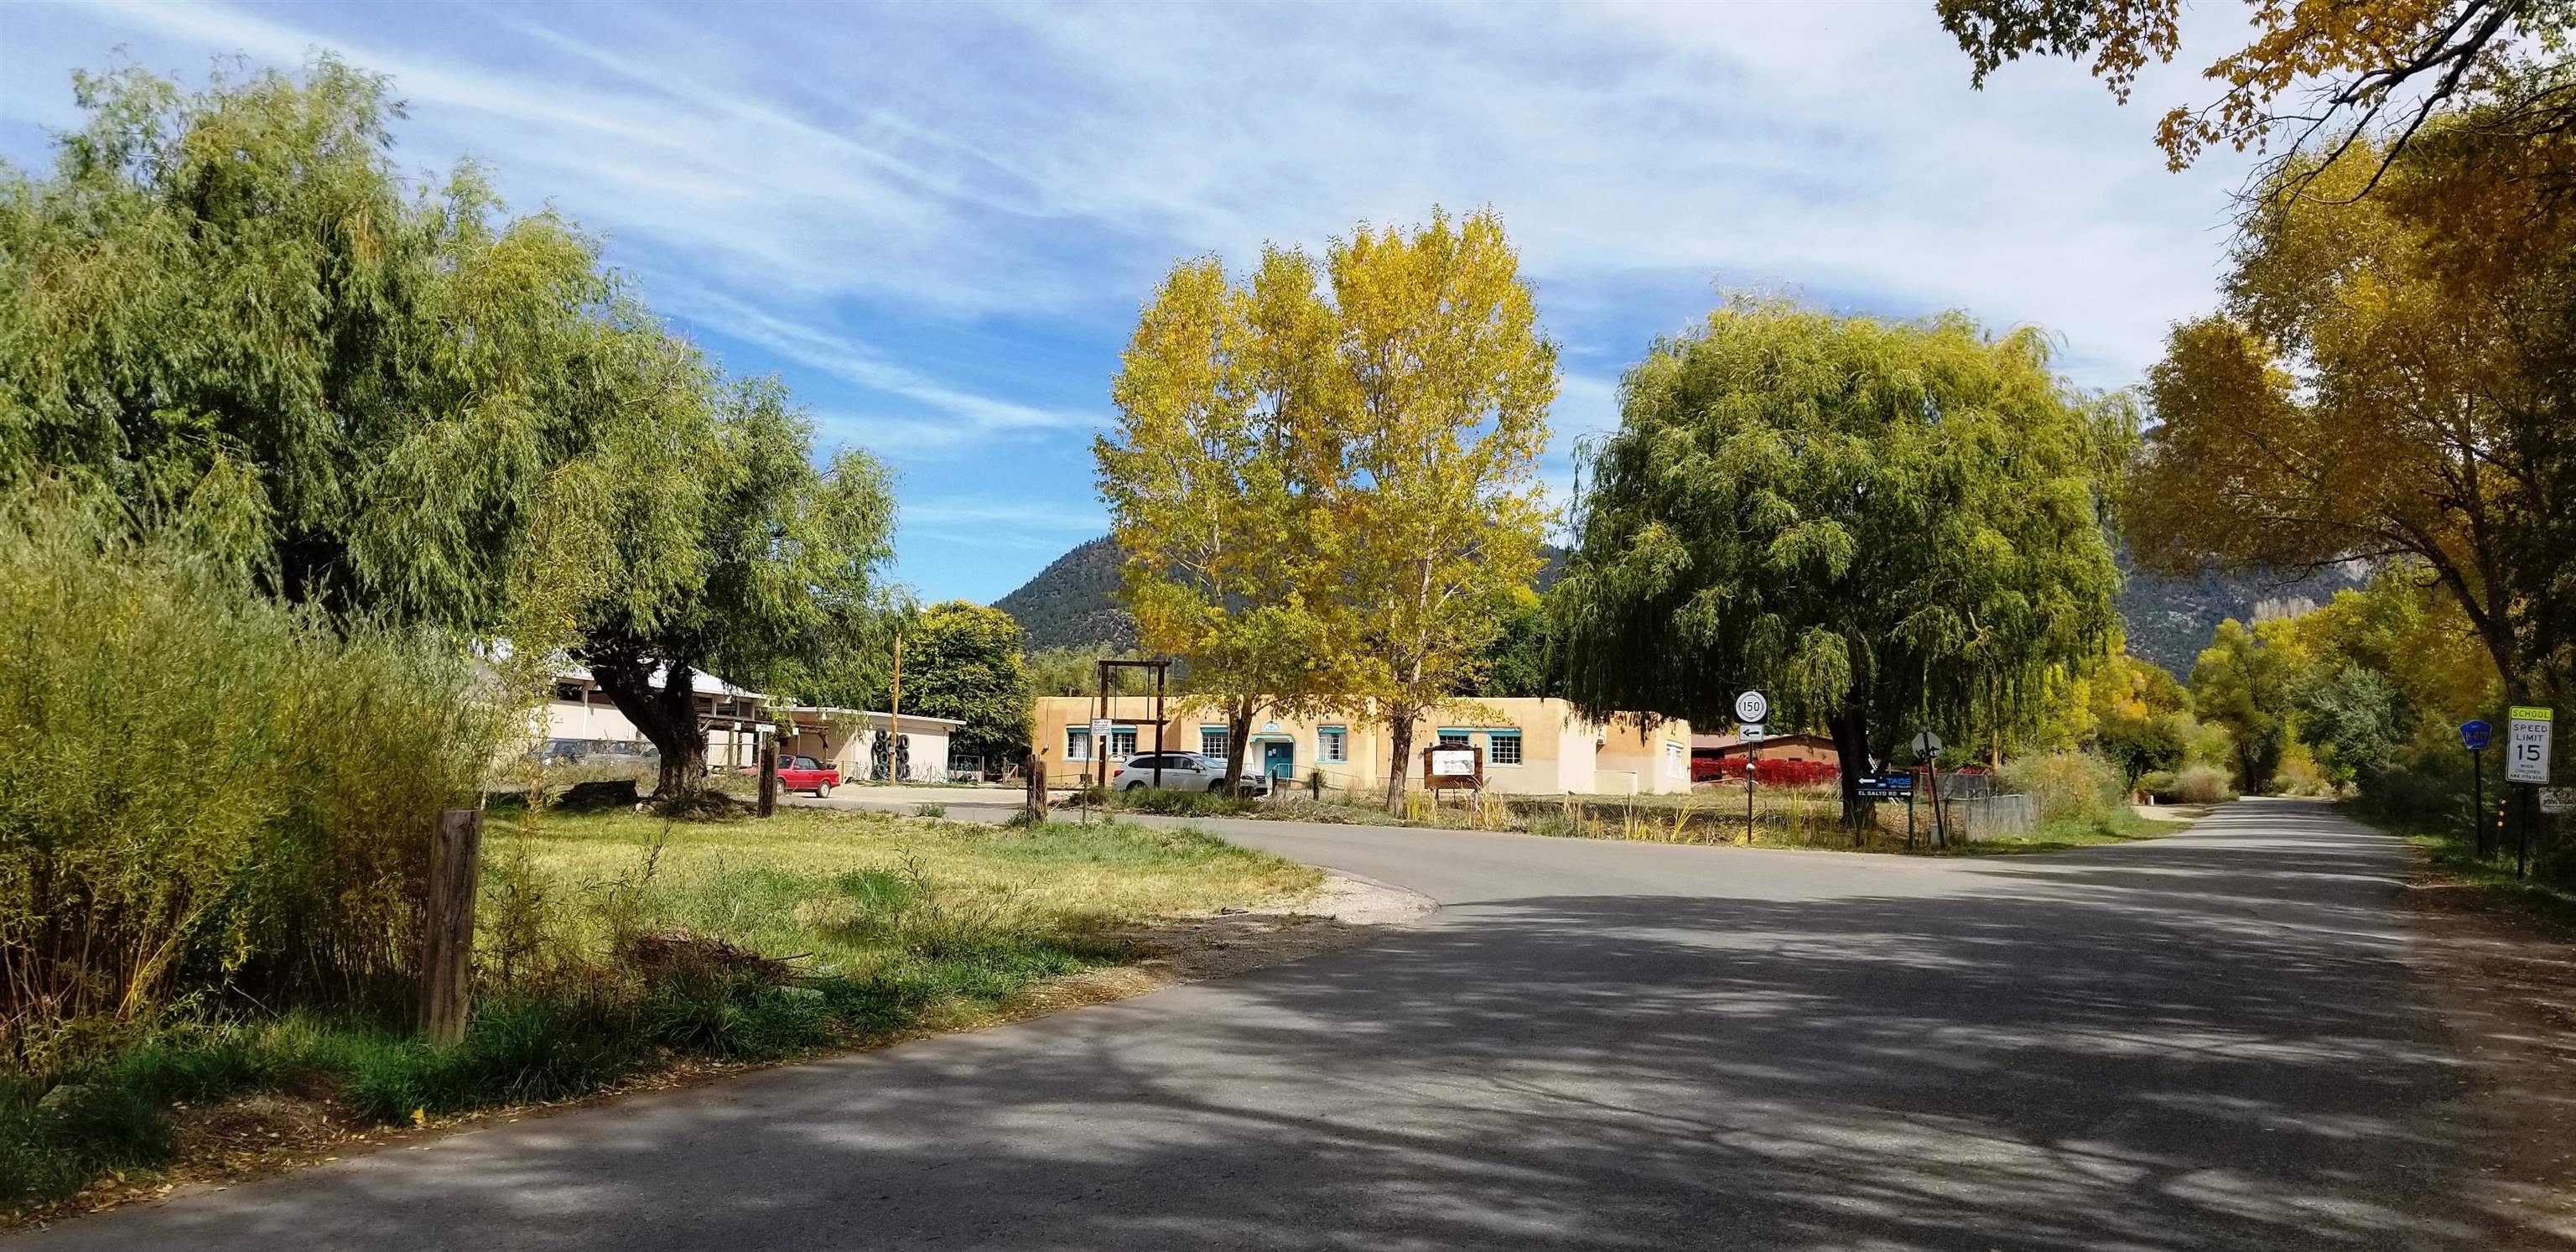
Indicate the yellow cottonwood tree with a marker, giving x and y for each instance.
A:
(1331, 503)
(1441, 388)
(1205, 495)
(2364, 70)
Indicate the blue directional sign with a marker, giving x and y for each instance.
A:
(1887, 787)
(2475, 734)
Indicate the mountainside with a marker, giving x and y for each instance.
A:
(1072, 602)
(2169, 619)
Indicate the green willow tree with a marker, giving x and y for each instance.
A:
(963, 661)
(2247, 680)
(408, 406)
(1882, 524)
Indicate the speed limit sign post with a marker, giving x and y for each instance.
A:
(1750, 708)
(2526, 760)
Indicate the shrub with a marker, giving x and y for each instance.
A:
(930, 810)
(2067, 785)
(207, 789)
(1170, 803)
(2201, 784)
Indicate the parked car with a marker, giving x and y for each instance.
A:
(804, 773)
(1183, 771)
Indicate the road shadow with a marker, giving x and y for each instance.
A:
(2203, 1043)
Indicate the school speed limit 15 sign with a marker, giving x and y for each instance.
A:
(2526, 748)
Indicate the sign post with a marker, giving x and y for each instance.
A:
(1750, 708)
(1927, 755)
(1447, 765)
(2474, 736)
(1752, 736)
(2526, 761)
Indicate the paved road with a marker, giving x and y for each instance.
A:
(2207, 1041)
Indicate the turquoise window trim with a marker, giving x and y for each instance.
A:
(1340, 753)
(1494, 739)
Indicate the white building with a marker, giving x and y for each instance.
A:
(580, 719)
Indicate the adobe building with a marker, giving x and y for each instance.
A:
(1532, 746)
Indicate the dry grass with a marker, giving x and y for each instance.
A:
(835, 884)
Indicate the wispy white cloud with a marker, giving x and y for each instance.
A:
(845, 357)
(858, 190)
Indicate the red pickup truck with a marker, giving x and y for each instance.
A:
(804, 773)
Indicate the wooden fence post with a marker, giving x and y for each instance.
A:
(447, 958)
(1037, 779)
(768, 775)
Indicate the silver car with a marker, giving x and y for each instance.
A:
(1183, 771)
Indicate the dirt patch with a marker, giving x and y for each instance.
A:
(234, 1140)
(2506, 984)
(1342, 912)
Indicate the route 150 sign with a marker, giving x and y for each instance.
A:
(1752, 707)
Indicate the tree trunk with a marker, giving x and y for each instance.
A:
(1238, 728)
(667, 715)
(1399, 738)
(1850, 729)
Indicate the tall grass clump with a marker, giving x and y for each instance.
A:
(207, 792)
(2069, 787)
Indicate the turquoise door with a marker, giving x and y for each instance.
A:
(1279, 760)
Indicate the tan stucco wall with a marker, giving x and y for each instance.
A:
(1558, 749)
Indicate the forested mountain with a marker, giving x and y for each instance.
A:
(1071, 603)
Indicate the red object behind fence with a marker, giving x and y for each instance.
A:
(1777, 773)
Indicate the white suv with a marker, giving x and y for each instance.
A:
(1183, 771)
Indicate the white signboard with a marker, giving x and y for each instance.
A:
(2526, 750)
(1752, 707)
(2557, 799)
(1753, 732)
(1453, 763)
(1100, 727)
(1927, 744)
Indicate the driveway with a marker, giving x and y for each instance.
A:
(2207, 1041)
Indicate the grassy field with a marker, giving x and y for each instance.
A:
(857, 892)
(611, 945)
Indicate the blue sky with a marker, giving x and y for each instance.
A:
(936, 221)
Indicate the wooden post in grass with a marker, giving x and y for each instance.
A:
(1037, 801)
(447, 957)
(768, 775)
